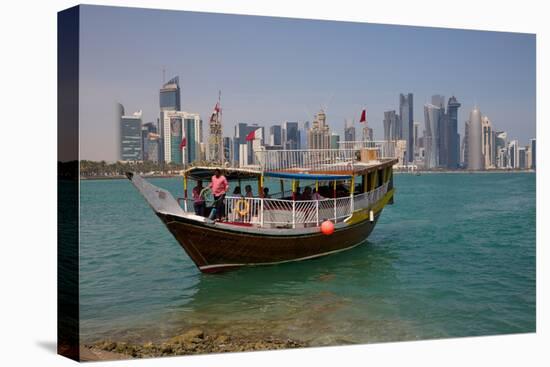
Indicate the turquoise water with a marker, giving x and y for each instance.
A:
(454, 256)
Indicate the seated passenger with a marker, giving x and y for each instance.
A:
(237, 191)
(307, 193)
(248, 191)
(316, 195)
(266, 193)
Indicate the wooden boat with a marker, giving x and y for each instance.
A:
(284, 226)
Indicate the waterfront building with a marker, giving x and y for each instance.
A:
(291, 135)
(405, 123)
(513, 155)
(319, 134)
(522, 159)
(153, 147)
(349, 132)
(228, 150)
(392, 130)
(169, 100)
(303, 135)
(241, 132)
(487, 143)
(146, 129)
(177, 125)
(432, 116)
(368, 134)
(275, 135)
(533, 146)
(416, 139)
(473, 146)
(334, 141)
(452, 138)
(501, 145)
(130, 137)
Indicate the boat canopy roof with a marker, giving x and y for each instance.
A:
(306, 176)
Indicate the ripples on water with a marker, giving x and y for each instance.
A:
(455, 256)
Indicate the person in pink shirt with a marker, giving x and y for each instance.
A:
(219, 187)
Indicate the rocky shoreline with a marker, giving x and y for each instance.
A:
(194, 341)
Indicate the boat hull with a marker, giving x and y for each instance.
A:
(220, 249)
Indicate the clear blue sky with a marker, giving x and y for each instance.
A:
(276, 69)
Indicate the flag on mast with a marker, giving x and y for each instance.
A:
(256, 134)
(183, 143)
(363, 116)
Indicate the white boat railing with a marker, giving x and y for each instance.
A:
(317, 160)
(297, 213)
(385, 148)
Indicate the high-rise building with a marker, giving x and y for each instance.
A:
(319, 134)
(487, 143)
(533, 144)
(146, 129)
(406, 123)
(228, 150)
(474, 143)
(153, 147)
(452, 138)
(513, 155)
(416, 139)
(241, 131)
(169, 100)
(501, 149)
(130, 137)
(303, 135)
(290, 135)
(349, 132)
(334, 141)
(193, 130)
(432, 117)
(522, 158)
(391, 126)
(368, 133)
(275, 135)
(177, 125)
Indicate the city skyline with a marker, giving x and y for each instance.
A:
(282, 73)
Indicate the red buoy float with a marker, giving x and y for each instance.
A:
(327, 227)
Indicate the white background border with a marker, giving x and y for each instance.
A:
(28, 181)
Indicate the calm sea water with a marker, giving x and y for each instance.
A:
(454, 256)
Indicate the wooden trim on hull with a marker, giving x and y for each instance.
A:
(213, 249)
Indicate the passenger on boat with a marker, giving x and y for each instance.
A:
(316, 195)
(198, 200)
(219, 187)
(306, 195)
(266, 193)
(237, 191)
(248, 191)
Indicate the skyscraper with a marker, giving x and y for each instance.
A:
(533, 143)
(452, 141)
(513, 155)
(177, 125)
(241, 131)
(432, 117)
(290, 135)
(416, 138)
(169, 100)
(522, 158)
(501, 148)
(334, 141)
(349, 132)
(474, 143)
(146, 129)
(406, 123)
(319, 134)
(275, 135)
(391, 128)
(130, 137)
(487, 143)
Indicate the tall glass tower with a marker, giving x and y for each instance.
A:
(453, 141)
(169, 100)
(406, 116)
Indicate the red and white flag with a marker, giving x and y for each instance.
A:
(256, 134)
(183, 143)
(363, 116)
